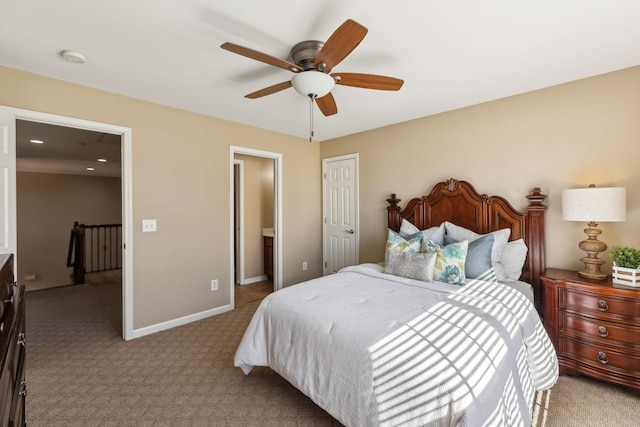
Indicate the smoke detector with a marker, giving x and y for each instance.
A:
(73, 56)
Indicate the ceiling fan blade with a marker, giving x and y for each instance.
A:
(269, 90)
(368, 81)
(327, 105)
(339, 45)
(262, 57)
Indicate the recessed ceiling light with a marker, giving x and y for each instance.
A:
(73, 56)
(91, 169)
(102, 160)
(37, 141)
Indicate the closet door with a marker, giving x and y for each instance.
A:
(340, 205)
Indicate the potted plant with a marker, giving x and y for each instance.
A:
(626, 265)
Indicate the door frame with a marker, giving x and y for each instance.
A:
(127, 215)
(277, 214)
(356, 205)
(239, 221)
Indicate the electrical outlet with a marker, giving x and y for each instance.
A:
(214, 285)
(304, 266)
(149, 225)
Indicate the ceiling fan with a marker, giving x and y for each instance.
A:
(313, 61)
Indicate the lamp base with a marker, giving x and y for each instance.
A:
(595, 275)
(592, 246)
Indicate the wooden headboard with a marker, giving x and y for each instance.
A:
(458, 202)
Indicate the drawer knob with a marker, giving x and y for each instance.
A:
(603, 358)
(602, 331)
(21, 339)
(602, 305)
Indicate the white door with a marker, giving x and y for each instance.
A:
(8, 183)
(340, 212)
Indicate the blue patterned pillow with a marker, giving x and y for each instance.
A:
(429, 245)
(395, 241)
(449, 267)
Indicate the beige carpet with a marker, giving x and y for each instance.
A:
(81, 373)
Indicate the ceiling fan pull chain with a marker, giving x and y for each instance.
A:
(311, 97)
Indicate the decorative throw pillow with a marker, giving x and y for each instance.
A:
(395, 241)
(449, 266)
(434, 233)
(513, 258)
(501, 237)
(429, 245)
(418, 266)
(478, 263)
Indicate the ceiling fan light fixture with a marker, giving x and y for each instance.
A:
(312, 83)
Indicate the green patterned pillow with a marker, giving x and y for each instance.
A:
(449, 267)
(395, 241)
(429, 245)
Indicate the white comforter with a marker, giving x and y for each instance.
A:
(375, 349)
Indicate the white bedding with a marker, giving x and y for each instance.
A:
(375, 349)
(523, 287)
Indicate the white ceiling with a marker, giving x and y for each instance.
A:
(450, 53)
(66, 150)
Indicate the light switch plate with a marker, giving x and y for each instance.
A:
(149, 225)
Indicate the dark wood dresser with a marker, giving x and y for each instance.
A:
(13, 389)
(594, 326)
(268, 256)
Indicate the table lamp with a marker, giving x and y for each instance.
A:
(594, 205)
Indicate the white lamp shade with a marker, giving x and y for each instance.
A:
(313, 83)
(595, 204)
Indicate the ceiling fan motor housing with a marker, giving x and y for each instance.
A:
(304, 54)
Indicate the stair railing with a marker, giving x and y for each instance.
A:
(94, 248)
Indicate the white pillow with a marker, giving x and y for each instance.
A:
(434, 233)
(513, 258)
(500, 240)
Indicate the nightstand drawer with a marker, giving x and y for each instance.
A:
(598, 330)
(606, 304)
(600, 357)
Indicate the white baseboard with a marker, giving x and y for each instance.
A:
(255, 279)
(147, 330)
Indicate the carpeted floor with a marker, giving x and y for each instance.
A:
(81, 373)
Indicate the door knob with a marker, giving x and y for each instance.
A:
(349, 231)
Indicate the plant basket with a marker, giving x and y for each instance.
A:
(626, 276)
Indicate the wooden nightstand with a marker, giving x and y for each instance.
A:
(594, 326)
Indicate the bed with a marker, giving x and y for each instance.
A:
(374, 348)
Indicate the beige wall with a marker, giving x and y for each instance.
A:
(48, 205)
(566, 136)
(562, 137)
(258, 211)
(181, 177)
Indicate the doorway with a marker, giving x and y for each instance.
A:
(240, 157)
(67, 175)
(126, 167)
